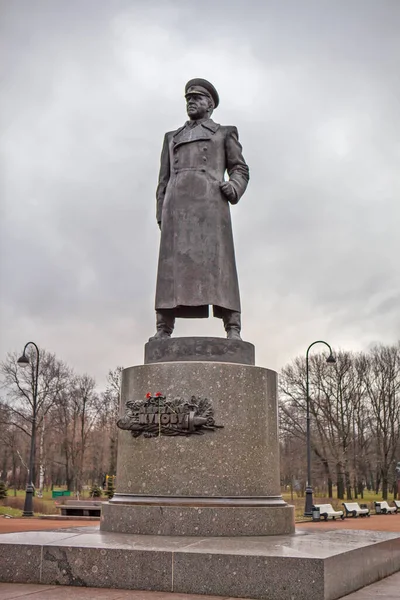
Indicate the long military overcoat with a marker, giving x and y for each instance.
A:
(196, 265)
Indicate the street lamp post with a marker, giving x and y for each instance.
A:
(23, 361)
(309, 492)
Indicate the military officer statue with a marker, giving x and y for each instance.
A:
(196, 265)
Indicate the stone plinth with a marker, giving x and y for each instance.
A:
(307, 566)
(196, 520)
(224, 482)
(199, 349)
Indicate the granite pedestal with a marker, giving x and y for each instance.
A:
(304, 566)
(202, 513)
(221, 482)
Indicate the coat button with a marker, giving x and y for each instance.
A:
(176, 159)
(205, 158)
(205, 148)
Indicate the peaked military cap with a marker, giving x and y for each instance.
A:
(203, 88)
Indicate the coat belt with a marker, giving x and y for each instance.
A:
(183, 169)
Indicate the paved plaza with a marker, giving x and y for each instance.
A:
(388, 589)
(373, 523)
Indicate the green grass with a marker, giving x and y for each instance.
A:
(13, 512)
(41, 506)
(298, 502)
(372, 497)
(21, 494)
(47, 503)
(369, 496)
(44, 507)
(47, 495)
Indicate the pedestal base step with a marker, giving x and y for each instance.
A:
(206, 517)
(315, 566)
(199, 349)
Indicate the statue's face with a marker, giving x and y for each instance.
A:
(197, 106)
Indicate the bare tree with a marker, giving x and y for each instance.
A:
(18, 386)
(355, 416)
(111, 399)
(75, 416)
(383, 388)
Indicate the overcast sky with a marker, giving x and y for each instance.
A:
(90, 87)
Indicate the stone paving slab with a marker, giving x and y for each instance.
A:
(8, 591)
(38, 524)
(372, 523)
(387, 589)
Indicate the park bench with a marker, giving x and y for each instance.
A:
(397, 504)
(355, 510)
(383, 508)
(327, 511)
(80, 508)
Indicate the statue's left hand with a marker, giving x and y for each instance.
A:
(229, 191)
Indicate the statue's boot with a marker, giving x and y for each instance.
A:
(232, 324)
(165, 325)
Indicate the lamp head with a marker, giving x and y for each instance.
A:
(331, 359)
(23, 361)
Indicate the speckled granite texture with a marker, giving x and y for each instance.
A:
(239, 460)
(315, 566)
(242, 459)
(199, 349)
(204, 521)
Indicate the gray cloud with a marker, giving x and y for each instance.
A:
(90, 88)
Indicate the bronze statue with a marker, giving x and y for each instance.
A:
(196, 265)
